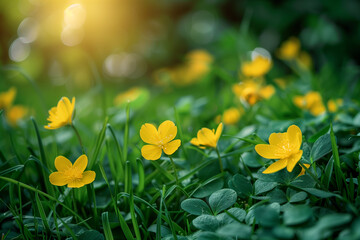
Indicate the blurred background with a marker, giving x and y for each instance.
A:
(68, 47)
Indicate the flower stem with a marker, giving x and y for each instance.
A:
(220, 161)
(74, 201)
(175, 171)
(312, 175)
(78, 137)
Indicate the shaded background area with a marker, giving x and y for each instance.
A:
(73, 44)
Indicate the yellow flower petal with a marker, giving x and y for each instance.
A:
(293, 159)
(218, 132)
(167, 131)
(81, 163)
(276, 166)
(58, 179)
(270, 151)
(303, 169)
(172, 146)
(295, 137)
(62, 114)
(76, 183)
(279, 139)
(196, 142)
(62, 164)
(88, 177)
(149, 134)
(151, 152)
(206, 137)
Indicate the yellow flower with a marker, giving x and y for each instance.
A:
(207, 137)
(283, 146)
(62, 114)
(334, 104)
(15, 113)
(256, 68)
(303, 169)
(7, 98)
(71, 174)
(304, 60)
(231, 116)
(159, 139)
(312, 102)
(200, 55)
(252, 91)
(289, 49)
(130, 95)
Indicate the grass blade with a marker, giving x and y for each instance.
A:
(98, 144)
(106, 226)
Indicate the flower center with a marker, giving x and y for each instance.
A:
(73, 174)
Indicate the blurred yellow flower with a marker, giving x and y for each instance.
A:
(280, 82)
(15, 113)
(71, 174)
(130, 95)
(256, 68)
(289, 49)
(207, 137)
(62, 114)
(7, 98)
(312, 102)
(282, 146)
(304, 60)
(231, 116)
(333, 105)
(160, 139)
(197, 64)
(251, 91)
(303, 169)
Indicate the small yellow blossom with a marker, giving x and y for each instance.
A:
(231, 116)
(304, 60)
(200, 55)
(289, 49)
(130, 95)
(251, 91)
(207, 137)
(72, 175)
(62, 114)
(256, 68)
(15, 113)
(283, 146)
(333, 105)
(7, 98)
(303, 169)
(160, 139)
(280, 82)
(312, 102)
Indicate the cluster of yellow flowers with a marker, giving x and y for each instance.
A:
(312, 101)
(13, 113)
(258, 67)
(196, 66)
(291, 50)
(251, 91)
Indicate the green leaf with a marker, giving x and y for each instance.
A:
(91, 235)
(333, 220)
(298, 197)
(261, 186)
(195, 206)
(222, 199)
(232, 215)
(277, 196)
(282, 232)
(210, 236)
(236, 230)
(321, 147)
(304, 181)
(319, 193)
(12, 169)
(242, 185)
(209, 188)
(206, 223)
(267, 216)
(297, 214)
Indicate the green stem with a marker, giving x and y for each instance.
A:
(45, 195)
(175, 171)
(74, 201)
(220, 161)
(94, 201)
(307, 170)
(78, 137)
